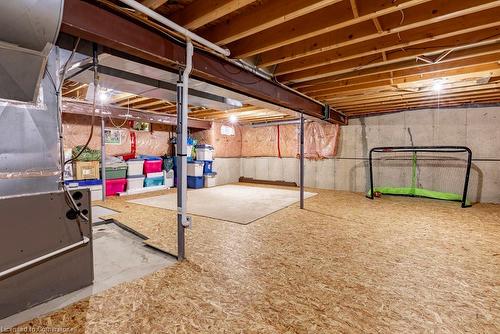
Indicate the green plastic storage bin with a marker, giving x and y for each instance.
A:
(116, 171)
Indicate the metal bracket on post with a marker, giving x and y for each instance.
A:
(183, 221)
(326, 112)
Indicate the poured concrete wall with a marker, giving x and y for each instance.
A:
(477, 128)
(227, 169)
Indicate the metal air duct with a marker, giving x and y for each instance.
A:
(29, 29)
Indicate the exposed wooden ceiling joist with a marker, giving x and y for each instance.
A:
(458, 74)
(201, 12)
(328, 19)
(263, 17)
(473, 56)
(416, 38)
(399, 95)
(153, 4)
(447, 104)
(394, 23)
(490, 98)
(461, 42)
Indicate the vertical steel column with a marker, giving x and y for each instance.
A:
(103, 158)
(182, 120)
(302, 160)
(94, 105)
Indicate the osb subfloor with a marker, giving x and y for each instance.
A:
(344, 265)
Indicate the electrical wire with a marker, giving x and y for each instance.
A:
(126, 116)
(65, 67)
(69, 199)
(96, 80)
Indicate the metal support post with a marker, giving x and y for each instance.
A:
(302, 160)
(182, 121)
(103, 159)
(94, 105)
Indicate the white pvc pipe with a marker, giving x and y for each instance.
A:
(42, 258)
(174, 26)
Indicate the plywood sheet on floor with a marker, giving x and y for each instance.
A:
(346, 264)
(235, 203)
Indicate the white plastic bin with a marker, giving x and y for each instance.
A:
(135, 183)
(204, 152)
(135, 167)
(189, 150)
(168, 182)
(210, 180)
(195, 168)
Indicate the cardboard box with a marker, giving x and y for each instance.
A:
(86, 170)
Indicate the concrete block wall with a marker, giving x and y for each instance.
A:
(477, 128)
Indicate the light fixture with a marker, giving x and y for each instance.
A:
(103, 95)
(437, 85)
(233, 119)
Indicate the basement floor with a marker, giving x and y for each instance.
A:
(345, 264)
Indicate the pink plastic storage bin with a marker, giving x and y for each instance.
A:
(152, 166)
(115, 186)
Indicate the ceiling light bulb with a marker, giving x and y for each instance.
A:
(103, 96)
(233, 119)
(437, 85)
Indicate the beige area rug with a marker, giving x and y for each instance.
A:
(234, 203)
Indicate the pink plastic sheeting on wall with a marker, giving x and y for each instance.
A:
(320, 141)
(225, 146)
(77, 128)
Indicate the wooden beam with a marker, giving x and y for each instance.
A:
(129, 102)
(223, 114)
(393, 94)
(485, 101)
(202, 113)
(471, 89)
(74, 89)
(421, 105)
(405, 78)
(476, 56)
(153, 4)
(468, 40)
(262, 17)
(150, 104)
(389, 43)
(377, 25)
(417, 101)
(415, 17)
(433, 102)
(328, 19)
(201, 12)
(354, 8)
(367, 95)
